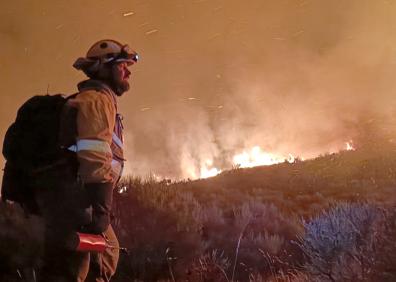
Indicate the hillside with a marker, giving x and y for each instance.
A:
(304, 187)
(287, 222)
(267, 203)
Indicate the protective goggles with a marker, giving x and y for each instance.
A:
(126, 55)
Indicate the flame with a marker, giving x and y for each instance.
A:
(248, 158)
(251, 158)
(291, 159)
(256, 157)
(349, 146)
(207, 170)
(122, 189)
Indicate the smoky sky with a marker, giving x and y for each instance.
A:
(215, 76)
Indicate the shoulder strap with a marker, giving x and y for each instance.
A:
(72, 96)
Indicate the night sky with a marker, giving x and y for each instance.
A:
(216, 77)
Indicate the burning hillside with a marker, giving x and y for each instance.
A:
(247, 158)
(262, 207)
(204, 155)
(255, 157)
(194, 226)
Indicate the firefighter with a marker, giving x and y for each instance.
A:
(91, 132)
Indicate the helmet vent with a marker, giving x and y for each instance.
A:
(103, 45)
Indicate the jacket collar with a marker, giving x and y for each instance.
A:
(94, 84)
(97, 85)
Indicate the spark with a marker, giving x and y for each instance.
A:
(145, 109)
(151, 31)
(76, 38)
(191, 98)
(298, 33)
(59, 26)
(127, 14)
(220, 106)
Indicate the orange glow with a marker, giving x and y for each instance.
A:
(251, 158)
(256, 157)
(208, 171)
(349, 146)
(248, 158)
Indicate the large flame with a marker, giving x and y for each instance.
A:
(247, 158)
(255, 157)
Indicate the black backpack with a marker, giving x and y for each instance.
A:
(31, 144)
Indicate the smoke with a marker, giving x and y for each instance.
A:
(216, 77)
(293, 78)
(178, 138)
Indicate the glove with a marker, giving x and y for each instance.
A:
(100, 196)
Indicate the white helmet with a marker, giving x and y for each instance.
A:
(105, 51)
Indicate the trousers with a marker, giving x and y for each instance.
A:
(64, 210)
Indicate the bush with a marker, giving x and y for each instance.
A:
(348, 243)
(20, 243)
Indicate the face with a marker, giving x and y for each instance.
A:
(120, 77)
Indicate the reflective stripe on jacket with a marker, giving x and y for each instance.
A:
(99, 142)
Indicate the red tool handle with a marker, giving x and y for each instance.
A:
(91, 243)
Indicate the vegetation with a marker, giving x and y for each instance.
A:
(327, 219)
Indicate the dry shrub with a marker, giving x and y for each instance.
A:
(294, 276)
(350, 243)
(211, 266)
(159, 217)
(21, 242)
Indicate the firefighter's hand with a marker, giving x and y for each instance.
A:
(100, 197)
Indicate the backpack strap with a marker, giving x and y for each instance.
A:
(72, 96)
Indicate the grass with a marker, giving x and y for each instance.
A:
(254, 224)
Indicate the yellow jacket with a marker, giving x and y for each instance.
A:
(99, 141)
